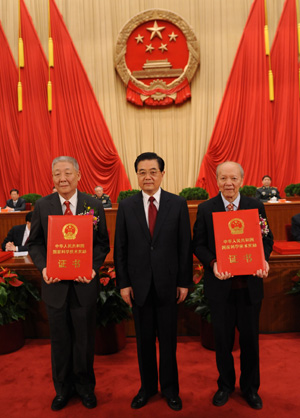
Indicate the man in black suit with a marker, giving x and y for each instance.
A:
(17, 236)
(295, 229)
(153, 260)
(234, 301)
(71, 305)
(16, 203)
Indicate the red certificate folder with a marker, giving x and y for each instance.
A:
(287, 247)
(238, 239)
(70, 246)
(5, 255)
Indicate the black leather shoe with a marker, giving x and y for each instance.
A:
(175, 403)
(220, 398)
(59, 402)
(89, 400)
(253, 400)
(139, 401)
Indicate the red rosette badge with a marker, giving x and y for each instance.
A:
(157, 55)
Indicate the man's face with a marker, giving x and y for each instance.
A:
(98, 191)
(266, 182)
(14, 195)
(149, 176)
(229, 180)
(65, 178)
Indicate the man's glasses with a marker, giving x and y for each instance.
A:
(151, 173)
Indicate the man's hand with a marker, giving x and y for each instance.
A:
(221, 276)
(263, 273)
(181, 294)
(84, 279)
(49, 280)
(10, 246)
(127, 295)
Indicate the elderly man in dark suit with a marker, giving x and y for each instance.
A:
(16, 203)
(18, 236)
(153, 259)
(234, 301)
(71, 305)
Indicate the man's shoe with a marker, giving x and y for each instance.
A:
(89, 400)
(175, 403)
(139, 401)
(253, 400)
(220, 398)
(59, 402)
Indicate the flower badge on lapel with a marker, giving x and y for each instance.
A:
(264, 227)
(92, 212)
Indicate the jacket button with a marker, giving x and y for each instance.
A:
(152, 248)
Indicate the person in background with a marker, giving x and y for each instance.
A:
(15, 203)
(153, 259)
(234, 301)
(104, 198)
(295, 229)
(267, 192)
(71, 304)
(17, 236)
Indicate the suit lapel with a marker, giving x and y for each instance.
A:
(219, 204)
(139, 210)
(55, 206)
(80, 202)
(164, 207)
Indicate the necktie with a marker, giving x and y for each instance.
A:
(68, 210)
(230, 207)
(152, 212)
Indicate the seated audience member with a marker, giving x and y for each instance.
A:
(16, 203)
(295, 230)
(17, 237)
(105, 199)
(266, 192)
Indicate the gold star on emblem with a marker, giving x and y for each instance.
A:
(149, 48)
(156, 30)
(139, 39)
(172, 37)
(163, 47)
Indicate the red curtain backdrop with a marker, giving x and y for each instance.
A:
(286, 107)
(78, 126)
(35, 135)
(9, 127)
(243, 130)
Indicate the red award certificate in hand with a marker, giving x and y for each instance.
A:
(238, 238)
(70, 247)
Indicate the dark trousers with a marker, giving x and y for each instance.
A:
(153, 319)
(72, 332)
(238, 312)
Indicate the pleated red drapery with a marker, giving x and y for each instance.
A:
(9, 127)
(78, 126)
(35, 158)
(286, 107)
(243, 130)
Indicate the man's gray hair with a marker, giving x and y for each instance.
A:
(65, 158)
(98, 187)
(232, 162)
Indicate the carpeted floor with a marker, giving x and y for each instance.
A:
(26, 389)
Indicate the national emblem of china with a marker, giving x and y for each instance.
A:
(157, 55)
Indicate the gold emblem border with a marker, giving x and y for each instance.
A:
(156, 14)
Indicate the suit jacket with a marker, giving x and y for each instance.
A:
(20, 205)
(15, 235)
(166, 259)
(204, 248)
(295, 229)
(55, 293)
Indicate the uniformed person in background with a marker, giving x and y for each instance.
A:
(266, 192)
(104, 198)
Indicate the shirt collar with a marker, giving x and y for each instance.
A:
(156, 196)
(72, 200)
(236, 202)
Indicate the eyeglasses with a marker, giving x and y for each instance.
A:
(151, 173)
